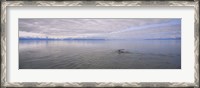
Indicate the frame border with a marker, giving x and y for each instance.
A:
(5, 4)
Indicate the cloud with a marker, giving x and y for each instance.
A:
(30, 34)
(104, 28)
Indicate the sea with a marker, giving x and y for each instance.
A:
(99, 54)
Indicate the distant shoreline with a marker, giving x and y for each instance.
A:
(95, 39)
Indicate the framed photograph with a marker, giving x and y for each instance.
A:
(100, 43)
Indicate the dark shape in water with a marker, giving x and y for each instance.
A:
(122, 51)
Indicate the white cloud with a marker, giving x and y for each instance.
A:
(102, 28)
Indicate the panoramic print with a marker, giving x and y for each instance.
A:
(99, 43)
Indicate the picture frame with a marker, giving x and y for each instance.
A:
(4, 39)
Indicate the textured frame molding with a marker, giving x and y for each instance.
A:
(5, 84)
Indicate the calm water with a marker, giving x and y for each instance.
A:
(99, 54)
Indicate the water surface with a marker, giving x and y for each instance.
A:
(99, 54)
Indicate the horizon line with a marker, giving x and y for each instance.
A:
(95, 39)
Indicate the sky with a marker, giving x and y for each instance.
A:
(100, 28)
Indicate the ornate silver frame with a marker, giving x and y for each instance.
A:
(5, 4)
